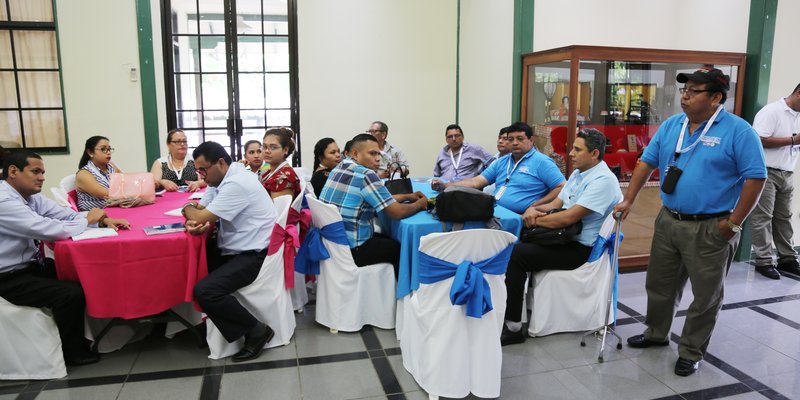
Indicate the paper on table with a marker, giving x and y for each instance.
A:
(95, 233)
(174, 213)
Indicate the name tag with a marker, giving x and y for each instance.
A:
(710, 141)
(498, 194)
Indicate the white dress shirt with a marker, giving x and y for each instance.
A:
(776, 119)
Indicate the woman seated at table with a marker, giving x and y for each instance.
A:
(281, 179)
(94, 172)
(326, 157)
(253, 158)
(175, 170)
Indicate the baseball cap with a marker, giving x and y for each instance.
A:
(706, 75)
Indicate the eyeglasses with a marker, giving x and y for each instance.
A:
(107, 150)
(180, 142)
(454, 137)
(512, 139)
(375, 131)
(204, 170)
(691, 91)
(272, 147)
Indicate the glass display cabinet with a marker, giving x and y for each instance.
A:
(625, 93)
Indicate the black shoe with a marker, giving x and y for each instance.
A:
(254, 343)
(640, 342)
(792, 267)
(508, 337)
(684, 367)
(769, 271)
(85, 358)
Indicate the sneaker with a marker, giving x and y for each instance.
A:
(686, 367)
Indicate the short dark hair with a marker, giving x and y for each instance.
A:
(347, 146)
(796, 88)
(249, 142)
(17, 157)
(453, 126)
(595, 140)
(285, 138)
(172, 133)
(503, 131)
(90, 145)
(212, 151)
(319, 150)
(384, 127)
(361, 138)
(521, 127)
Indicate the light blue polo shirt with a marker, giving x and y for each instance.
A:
(535, 176)
(245, 210)
(596, 189)
(715, 170)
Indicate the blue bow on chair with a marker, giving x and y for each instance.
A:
(313, 250)
(602, 245)
(469, 287)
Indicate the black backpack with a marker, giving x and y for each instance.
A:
(460, 204)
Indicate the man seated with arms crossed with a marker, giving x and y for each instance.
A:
(459, 160)
(589, 196)
(26, 277)
(246, 216)
(524, 179)
(357, 191)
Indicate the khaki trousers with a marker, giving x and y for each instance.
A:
(684, 250)
(771, 220)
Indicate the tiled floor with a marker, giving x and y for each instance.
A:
(754, 354)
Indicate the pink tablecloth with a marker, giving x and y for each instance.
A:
(135, 275)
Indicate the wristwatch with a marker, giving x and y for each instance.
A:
(735, 228)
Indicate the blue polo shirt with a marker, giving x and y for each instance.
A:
(535, 176)
(715, 170)
(596, 189)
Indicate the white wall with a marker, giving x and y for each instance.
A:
(642, 23)
(485, 70)
(100, 99)
(366, 60)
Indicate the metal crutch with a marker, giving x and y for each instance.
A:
(609, 328)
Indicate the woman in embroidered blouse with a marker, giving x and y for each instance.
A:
(175, 170)
(281, 179)
(253, 158)
(326, 157)
(94, 171)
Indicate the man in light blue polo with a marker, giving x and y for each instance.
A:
(589, 196)
(712, 172)
(246, 216)
(523, 179)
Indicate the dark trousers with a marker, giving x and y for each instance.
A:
(379, 249)
(226, 275)
(36, 286)
(530, 257)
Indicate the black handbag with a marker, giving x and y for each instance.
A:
(551, 236)
(401, 185)
(462, 204)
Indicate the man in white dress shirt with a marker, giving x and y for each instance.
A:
(245, 213)
(26, 277)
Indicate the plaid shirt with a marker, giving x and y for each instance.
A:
(358, 193)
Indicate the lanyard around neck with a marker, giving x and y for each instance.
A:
(178, 172)
(508, 174)
(456, 163)
(276, 170)
(678, 147)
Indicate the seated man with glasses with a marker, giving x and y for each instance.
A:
(245, 216)
(26, 277)
(389, 153)
(357, 191)
(459, 160)
(524, 178)
(174, 170)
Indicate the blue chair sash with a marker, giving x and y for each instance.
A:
(469, 287)
(313, 250)
(602, 245)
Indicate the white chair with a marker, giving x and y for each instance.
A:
(69, 187)
(266, 298)
(303, 173)
(30, 347)
(299, 293)
(60, 196)
(570, 301)
(349, 297)
(449, 353)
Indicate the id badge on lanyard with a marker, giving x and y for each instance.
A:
(499, 193)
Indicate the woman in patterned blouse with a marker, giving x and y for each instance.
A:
(281, 179)
(253, 158)
(175, 170)
(94, 172)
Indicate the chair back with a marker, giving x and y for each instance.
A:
(282, 205)
(303, 173)
(67, 183)
(470, 244)
(322, 213)
(60, 196)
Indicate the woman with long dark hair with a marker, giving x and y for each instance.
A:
(253, 158)
(94, 173)
(326, 157)
(281, 178)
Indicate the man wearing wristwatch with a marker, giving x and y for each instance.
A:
(26, 277)
(712, 173)
(245, 216)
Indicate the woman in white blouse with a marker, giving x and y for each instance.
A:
(174, 170)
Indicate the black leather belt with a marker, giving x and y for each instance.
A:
(695, 217)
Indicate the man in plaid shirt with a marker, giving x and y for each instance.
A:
(357, 191)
